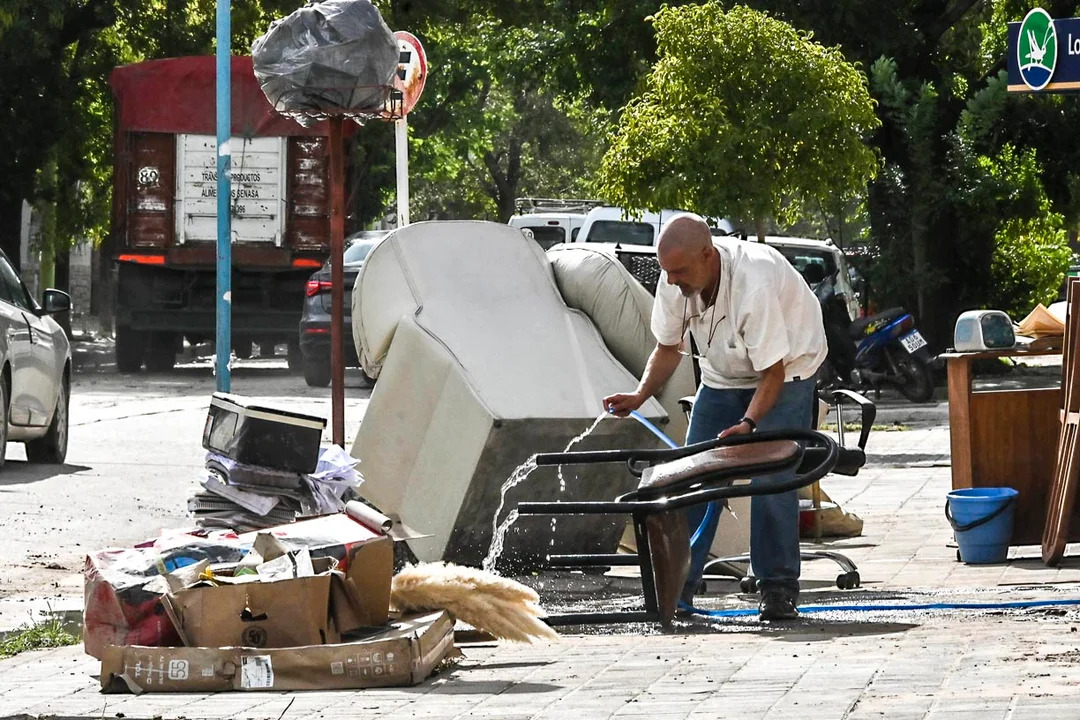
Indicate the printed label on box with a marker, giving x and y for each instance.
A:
(178, 670)
(256, 671)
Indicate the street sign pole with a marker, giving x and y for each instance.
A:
(224, 196)
(401, 138)
(337, 280)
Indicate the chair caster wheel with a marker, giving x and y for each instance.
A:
(748, 584)
(848, 580)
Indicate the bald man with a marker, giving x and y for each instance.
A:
(758, 329)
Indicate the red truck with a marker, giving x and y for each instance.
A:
(164, 222)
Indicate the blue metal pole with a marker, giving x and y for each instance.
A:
(224, 196)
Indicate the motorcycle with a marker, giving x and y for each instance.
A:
(871, 352)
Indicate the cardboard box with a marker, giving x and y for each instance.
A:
(284, 613)
(404, 654)
(123, 590)
(365, 556)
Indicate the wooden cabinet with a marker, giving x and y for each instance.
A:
(1006, 438)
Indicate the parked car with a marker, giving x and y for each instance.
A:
(549, 229)
(35, 369)
(315, 320)
(810, 257)
(816, 259)
(551, 221)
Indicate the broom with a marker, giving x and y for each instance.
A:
(504, 608)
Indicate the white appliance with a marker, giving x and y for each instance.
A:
(983, 330)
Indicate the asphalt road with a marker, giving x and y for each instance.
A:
(135, 456)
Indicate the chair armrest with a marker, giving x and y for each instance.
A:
(841, 397)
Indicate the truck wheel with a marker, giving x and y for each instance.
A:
(296, 358)
(316, 373)
(266, 349)
(161, 352)
(130, 345)
(242, 349)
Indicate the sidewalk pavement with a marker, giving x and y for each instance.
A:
(940, 664)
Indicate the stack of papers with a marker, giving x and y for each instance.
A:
(244, 497)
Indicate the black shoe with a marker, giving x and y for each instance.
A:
(777, 605)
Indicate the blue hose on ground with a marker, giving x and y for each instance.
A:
(871, 607)
(885, 607)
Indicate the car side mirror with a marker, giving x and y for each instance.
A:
(55, 301)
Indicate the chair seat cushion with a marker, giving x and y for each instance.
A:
(723, 464)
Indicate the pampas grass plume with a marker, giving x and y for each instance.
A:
(497, 605)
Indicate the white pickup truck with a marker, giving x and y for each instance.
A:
(609, 224)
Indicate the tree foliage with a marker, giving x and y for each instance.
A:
(1030, 260)
(491, 125)
(742, 116)
(55, 60)
(974, 189)
(1017, 250)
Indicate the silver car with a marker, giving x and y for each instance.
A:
(35, 369)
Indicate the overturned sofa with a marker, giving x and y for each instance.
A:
(481, 364)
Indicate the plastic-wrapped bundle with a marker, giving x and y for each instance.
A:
(327, 58)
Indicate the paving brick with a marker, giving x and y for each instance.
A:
(946, 665)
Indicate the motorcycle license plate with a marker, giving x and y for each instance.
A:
(913, 341)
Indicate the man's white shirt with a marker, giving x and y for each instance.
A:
(764, 312)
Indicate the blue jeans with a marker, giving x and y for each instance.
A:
(774, 519)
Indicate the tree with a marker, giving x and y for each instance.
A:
(742, 116)
(935, 70)
(40, 40)
(492, 125)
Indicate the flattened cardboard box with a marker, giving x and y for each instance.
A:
(405, 654)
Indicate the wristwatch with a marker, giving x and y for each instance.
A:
(749, 421)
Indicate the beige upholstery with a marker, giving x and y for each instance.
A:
(594, 281)
(480, 364)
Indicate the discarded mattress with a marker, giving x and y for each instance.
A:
(480, 365)
(593, 280)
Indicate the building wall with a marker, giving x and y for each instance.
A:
(81, 275)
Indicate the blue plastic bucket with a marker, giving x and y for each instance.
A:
(982, 520)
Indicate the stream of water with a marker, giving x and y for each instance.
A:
(498, 536)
